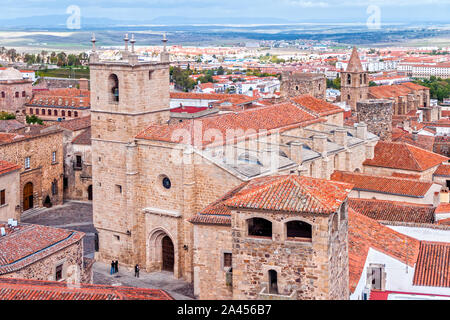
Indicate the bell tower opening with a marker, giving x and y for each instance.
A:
(114, 88)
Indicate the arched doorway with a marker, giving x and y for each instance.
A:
(28, 197)
(167, 254)
(90, 193)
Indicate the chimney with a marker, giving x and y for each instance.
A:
(361, 131)
(320, 144)
(415, 135)
(340, 137)
(295, 150)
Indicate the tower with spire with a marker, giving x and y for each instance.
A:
(354, 81)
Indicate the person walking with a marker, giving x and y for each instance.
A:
(113, 267)
(116, 267)
(136, 271)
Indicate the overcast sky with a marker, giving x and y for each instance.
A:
(295, 10)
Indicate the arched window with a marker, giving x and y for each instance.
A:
(43, 112)
(37, 111)
(273, 282)
(365, 78)
(55, 113)
(349, 79)
(296, 88)
(150, 74)
(259, 227)
(69, 113)
(75, 114)
(3, 95)
(63, 113)
(348, 97)
(17, 94)
(114, 88)
(31, 111)
(360, 79)
(24, 94)
(299, 230)
(49, 112)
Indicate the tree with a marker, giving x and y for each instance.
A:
(34, 119)
(7, 116)
(220, 71)
(372, 84)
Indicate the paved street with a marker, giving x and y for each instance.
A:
(75, 215)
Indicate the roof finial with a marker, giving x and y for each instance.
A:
(126, 41)
(93, 42)
(164, 41)
(132, 41)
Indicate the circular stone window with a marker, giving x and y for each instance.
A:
(166, 183)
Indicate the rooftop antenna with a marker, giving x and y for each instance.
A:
(126, 41)
(132, 41)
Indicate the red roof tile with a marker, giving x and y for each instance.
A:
(64, 98)
(291, 193)
(383, 210)
(384, 295)
(404, 156)
(381, 184)
(443, 170)
(392, 91)
(433, 265)
(422, 141)
(27, 244)
(7, 167)
(281, 116)
(233, 98)
(316, 106)
(21, 289)
(443, 208)
(365, 233)
(76, 124)
(83, 138)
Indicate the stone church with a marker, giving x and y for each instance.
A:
(151, 176)
(354, 81)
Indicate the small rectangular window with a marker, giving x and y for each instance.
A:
(118, 188)
(54, 156)
(227, 260)
(27, 163)
(59, 272)
(2, 197)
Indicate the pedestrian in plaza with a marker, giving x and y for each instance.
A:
(116, 267)
(136, 271)
(113, 265)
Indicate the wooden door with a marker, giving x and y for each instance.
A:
(167, 254)
(28, 196)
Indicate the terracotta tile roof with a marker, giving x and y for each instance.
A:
(10, 125)
(316, 106)
(22, 289)
(424, 142)
(76, 124)
(400, 155)
(233, 98)
(381, 184)
(276, 193)
(365, 233)
(433, 265)
(445, 222)
(443, 170)
(291, 193)
(7, 167)
(83, 138)
(443, 208)
(27, 244)
(7, 137)
(64, 98)
(392, 91)
(281, 116)
(383, 210)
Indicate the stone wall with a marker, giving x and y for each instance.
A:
(10, 183)
(294, 84)
(44, 269)
(377, 114)
(43, 171)
(306, 268)
(10, 89)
